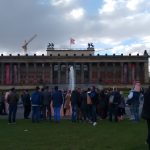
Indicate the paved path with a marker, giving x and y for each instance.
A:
(20, 112)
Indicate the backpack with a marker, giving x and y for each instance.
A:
(111, 99)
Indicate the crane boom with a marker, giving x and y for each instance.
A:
(31, 39)
(27, 42)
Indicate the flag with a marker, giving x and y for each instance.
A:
(72, 41)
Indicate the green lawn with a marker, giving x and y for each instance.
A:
(73, 136)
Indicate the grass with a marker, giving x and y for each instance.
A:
(73, 136)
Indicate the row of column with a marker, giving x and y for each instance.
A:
(126, 72)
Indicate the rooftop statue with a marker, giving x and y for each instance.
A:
(145, 53)
(50, 46)
(90, 46)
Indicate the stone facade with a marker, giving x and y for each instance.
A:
(107, 71)
(54, 52)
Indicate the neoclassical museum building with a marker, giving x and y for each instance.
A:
(26, 71)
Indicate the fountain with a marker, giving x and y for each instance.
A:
(71, 78)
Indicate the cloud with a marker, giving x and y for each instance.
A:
(108, 7)
(108, 25)
(61, 2)
(133, 4)
(76, 14)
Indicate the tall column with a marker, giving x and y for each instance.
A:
(82, 73)
(133, 72)
(11, 73)
(90, 73)
(67, 73)
(51, 73)
(2, 73)
(114, 73)
(59, 73)
(129, 73)
(35, 78)
(74, 66)
(15, 73)
(122, 72)
(27, 72)
(106, 72)
(98, 73)
(43, 74)
(146, 73)
(18, 74)
(125, 73)
(137, 71)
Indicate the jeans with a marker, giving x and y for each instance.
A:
(131, 112)
(84, 110)
(113, 113)
(35, 113)
(27, 110)
(12, 113)
(74, 113)
(94, 115)
(136, 113)
(89, 112)
(57, 114)
(46, 108)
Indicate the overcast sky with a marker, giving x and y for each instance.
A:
(113, 26)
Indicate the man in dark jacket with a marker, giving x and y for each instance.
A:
(12, 100)
(26, 104)
(75, 99)
(146, 112)
(114, 101)
(46, 100)
(57, 100)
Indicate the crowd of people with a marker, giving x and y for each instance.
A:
(79, 105)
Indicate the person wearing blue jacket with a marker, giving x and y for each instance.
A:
(57, 100)
(94, 98)
(36, 103)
